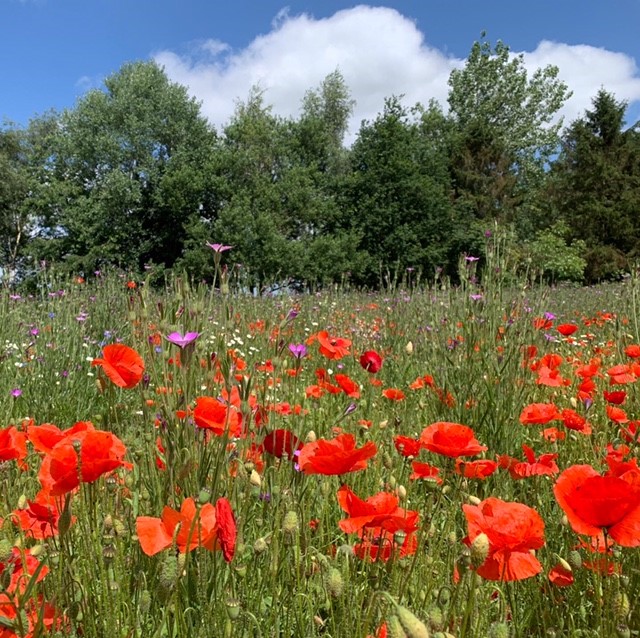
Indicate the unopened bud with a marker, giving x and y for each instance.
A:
(394, 628)
(334, 582)
(255, 479)
(479, 550)
(412, 625)
(621, 606)
(409, 348)
(498, 630)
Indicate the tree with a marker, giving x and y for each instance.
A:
(24, 191)
(504, 130)
(595, 185)
(131, 163)
(398, 196)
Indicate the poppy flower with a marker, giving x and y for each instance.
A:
(621, 375)
(45, 436)
(39, 519)
(214, 415)
(513, 530)
(539, 413)
(347, 385)
(543, 466)
(83, 458)
(393, 394)
(407, 446)
(281, 442)
(480, 469)
(379, 545)
(337, 456)
(561, 575)
(618, 415)
(371, 361)
(207, 526)
(379, 511)
(424, 471)
(450, 439)
(574, 421)
(595, 503)
(566, 329)
(122, 364)
(333, 347)
(13, 445)
(632, 351)
(617, 397)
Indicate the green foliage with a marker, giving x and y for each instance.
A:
(595, 185)
(130, 163)
(504, 133)
(553, 258)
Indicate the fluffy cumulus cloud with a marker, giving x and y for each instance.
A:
(379, 52)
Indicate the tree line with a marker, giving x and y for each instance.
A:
(134, 176)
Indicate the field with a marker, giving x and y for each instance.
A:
(418, 462)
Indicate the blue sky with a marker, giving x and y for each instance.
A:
(52, 51)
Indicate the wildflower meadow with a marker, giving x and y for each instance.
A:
(190, 461)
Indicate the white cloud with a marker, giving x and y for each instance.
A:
(379, 52)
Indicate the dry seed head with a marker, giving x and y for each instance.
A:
(412, 625)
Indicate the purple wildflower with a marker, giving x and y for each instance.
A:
(182, 341)
(298, 350)
(219, 248)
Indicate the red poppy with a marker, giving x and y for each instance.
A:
(621, 375)
(594, 503)
(480, 469)
(513, 530)
(39, 519)
(281, 442)
(377, 545)
(371, 361)
(82, 458)
(551, 377)
(566, 329)
(13, 445)
(618, 415)
(212, 414)
(574, 421)
(347, 385)
(424, 471)
(450, 439)
(539, 413)
(337, 456)
(122, 364)
(617, 397)
(543, 466)
(561, 575)
(393, 394)
(332, 347)
(632, 351)
(44, 437)
(206, 526)
(407, 446)
(379, 511)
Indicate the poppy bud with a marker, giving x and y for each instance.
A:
(498, 630)
(254, 479)
(291, 523)
(168, 573)
(435, 618)
(311, 437)
(333, 582)
(412, 625)
(479, 550)
(22, 502)
(621, 606)
(394, 628)
(409, 348)
(145, 602)
(260, 545)
(574, 559)
(6, 550)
